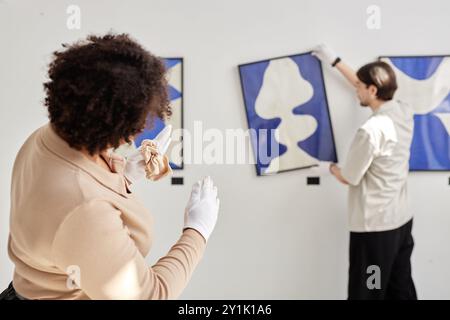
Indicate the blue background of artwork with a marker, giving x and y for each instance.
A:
(158, 124)
(320, 144)
(430, 148)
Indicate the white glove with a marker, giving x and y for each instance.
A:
(135, 166)
(203, 207)
(325, 54)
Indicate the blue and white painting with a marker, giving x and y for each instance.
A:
(287, 111)
(175, 79)
(424, 83)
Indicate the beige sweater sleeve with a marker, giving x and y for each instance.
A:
(94, 240)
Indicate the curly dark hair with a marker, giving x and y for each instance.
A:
(104, 90)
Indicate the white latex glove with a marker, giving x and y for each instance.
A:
(203, 207)
(325, 54)
(135, 165)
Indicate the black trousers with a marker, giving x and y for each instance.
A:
(10, 294)
(380, 265)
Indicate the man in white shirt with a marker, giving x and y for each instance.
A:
(376, 171)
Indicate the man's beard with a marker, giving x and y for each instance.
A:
(363, 104)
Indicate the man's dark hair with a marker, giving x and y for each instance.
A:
(102, 90)
(381, 75)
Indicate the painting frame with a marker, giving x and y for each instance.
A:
(255, 144)
(182, 105)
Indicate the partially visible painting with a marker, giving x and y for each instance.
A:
(424, 83)
(287, 109)
(175, 80)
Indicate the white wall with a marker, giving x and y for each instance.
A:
(276, 237)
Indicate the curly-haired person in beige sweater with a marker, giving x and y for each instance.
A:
(72, 209)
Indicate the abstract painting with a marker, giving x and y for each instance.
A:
(424, 83)
(175, 79)
(287, 112)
